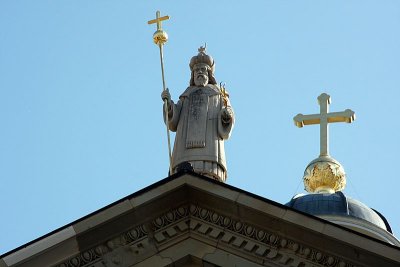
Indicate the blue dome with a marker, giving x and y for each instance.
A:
(339, 205)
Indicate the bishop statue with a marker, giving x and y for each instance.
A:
(202, 119)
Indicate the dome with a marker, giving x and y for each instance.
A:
(345, 211)
(337, 204)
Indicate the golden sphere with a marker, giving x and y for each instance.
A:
(160, 37)
(324, 174)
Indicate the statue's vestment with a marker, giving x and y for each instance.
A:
(200, 132)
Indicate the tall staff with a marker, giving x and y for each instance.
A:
(160, 37)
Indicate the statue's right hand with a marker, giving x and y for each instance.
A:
(165, 95)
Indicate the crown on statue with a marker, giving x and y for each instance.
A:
(202, 57)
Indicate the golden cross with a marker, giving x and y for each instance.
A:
(158, 20)
(323, 119)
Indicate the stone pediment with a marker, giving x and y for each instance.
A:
(191, 220)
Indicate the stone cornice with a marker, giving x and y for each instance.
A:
(220, 230)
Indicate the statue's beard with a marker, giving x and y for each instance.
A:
(201, 80)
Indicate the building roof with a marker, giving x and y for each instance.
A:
(194, 210)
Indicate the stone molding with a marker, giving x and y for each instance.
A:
(193, 221)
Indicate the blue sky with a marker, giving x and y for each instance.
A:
(81, 114)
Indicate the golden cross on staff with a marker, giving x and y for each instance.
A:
(160, 37)
(323, 119)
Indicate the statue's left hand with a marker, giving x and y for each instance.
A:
(226, 115)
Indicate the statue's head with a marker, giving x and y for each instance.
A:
(202, 67)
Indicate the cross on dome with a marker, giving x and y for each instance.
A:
(324, 174)
(323, 119)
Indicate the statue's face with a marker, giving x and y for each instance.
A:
(200, 72)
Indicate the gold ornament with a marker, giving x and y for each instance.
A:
(324, 174)
(160, 37)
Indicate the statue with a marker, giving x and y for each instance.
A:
(202, 119)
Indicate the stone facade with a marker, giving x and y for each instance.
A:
(191, 220)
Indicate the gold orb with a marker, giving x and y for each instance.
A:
(160, 37)
(324, 174)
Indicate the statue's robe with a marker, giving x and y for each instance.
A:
(200, 131)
